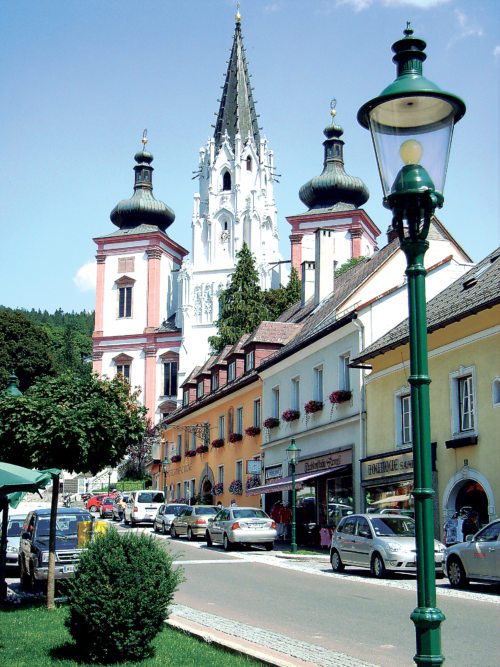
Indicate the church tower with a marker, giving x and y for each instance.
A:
(136, 295)
(234, 205)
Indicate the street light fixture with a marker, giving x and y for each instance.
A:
(411, 123)
(292, 453)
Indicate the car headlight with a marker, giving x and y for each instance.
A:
(394, 546)
(45, 557)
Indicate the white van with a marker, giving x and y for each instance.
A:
(142, 506)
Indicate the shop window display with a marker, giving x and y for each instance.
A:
(390, 498)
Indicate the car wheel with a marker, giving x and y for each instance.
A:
(165, 531)
(439, 575)
(125, 520)
(94, 509)
(173, 534)
(155, 528)
(226, 543)
(208, 539)
(132, 522)
(377, 567)
(456, 573)
(268, 546)
(190, 535)
(336, 561)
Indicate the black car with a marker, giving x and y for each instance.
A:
(34, 544)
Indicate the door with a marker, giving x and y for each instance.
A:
(363, 541)
(345, 540)
(182, 522)
(217, 530)
(486, 552)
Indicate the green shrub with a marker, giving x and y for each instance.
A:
(120, 595)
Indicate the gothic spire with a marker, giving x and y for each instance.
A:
(237, 108)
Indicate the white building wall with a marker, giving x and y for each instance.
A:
(112, 324)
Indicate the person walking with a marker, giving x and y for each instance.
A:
(286, 520)
(471, 524)
(450, 532)
(275, 515)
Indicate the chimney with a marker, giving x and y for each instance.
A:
(307, 281)
(323, 284)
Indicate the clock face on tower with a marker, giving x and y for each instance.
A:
(224, 237)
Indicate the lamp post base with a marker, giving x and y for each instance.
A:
(427, 624)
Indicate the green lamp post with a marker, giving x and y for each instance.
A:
(411, 123)
(292, 453)
(164, 468)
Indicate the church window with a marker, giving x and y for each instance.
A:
(124, 371)
(170, 378)
(249, 163)
(226, 181)
(125, 302)
(126, 264)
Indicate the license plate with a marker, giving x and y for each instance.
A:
(68, 568)
(256, 525)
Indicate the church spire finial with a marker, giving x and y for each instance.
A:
(144, 139)
(237, 17)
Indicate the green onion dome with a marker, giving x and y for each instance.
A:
(142, 207)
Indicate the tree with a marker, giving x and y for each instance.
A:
(242, 306)
(72, 421)
(278, 300)
(348, 265)
(24, 348)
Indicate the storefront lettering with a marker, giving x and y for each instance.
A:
(322, 464)
(394, 465)
(325, 462)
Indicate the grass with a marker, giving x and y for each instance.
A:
(34, 636)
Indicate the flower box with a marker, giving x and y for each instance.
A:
(340, 396)
(271, 422)
(235, 437)
(175, 458)
(253, 482)
(218, 442)
(191, 452)
(252, 431)
(202, 449)
(218, 489)
(236, 487)
(313, 406)
(290, 415)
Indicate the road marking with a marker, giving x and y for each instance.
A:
(208, 562)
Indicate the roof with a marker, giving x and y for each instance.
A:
(222, 358)
(191, 377)
(168, 326)
(45, 511)
(273, 332)
(237, 108)
(476, 290)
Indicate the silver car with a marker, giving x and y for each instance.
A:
(476, 559)
(165, 515)
(381, 542)
(241, 525)
(14, 530)
(192, 521)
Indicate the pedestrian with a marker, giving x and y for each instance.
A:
(286, 520)
(275, 515)
(219, 506)
(233, 503)
(471, 524)
(450, 531)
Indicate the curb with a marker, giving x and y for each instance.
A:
(233, 644)
(303, 557)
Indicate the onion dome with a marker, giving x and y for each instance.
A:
(142, 208)
(333, 189)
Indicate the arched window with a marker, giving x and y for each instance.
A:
(249, 163)
(226, 181)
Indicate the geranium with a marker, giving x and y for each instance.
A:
(191, 452)
(202, 449)
(218, 442)
(235, 437)
(271, 422)
(253, 482)
(236, 487)
(313, 406)
(290, 415)
(218, 489)
(175, 458)
(340, 396)
(252, 431)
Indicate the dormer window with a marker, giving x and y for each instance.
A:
(231, 371)
(249, 360)
(199, 389)
(249, 163)
(215, 381)
(185, 397)
(226, 181)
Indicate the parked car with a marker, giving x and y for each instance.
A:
(142, 506)
(119, 503)
(381, 542)
(192, 521)
(93, 504)
(34, 545)
(476, 559)
(241, 525)
(14, 530)
(165, 515)
(106, 508)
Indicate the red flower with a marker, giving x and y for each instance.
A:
(235, 437)
(340, 396)
(313, 406)
(290, 415)
(252, 431)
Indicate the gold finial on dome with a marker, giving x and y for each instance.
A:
(144, 139)
(237, 17)
(333, 110)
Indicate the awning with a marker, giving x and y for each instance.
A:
(391, 500)
(285, 483)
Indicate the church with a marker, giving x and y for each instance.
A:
(156, 302)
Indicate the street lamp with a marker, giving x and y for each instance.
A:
(411, 123)
(292, 453)
(164, 467)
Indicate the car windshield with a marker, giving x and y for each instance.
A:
(174, 509)
(391, 526)
(15, 527)
(66, 526)
(150, 497)
(108, 501)
(206, 510)
(249, 514)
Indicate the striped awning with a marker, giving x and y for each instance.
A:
(285, 483)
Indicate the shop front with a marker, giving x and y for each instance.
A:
(387, 482)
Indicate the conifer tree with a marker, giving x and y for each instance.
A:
(242, 306)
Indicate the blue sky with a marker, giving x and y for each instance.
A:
(81, 79)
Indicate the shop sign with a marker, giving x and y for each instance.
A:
(325, 462)
(274, 472)
(387, 466)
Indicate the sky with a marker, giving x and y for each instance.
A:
(82, 79)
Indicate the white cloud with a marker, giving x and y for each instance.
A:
(272, 7)
(360, 5)
(466, 28)
(496, 52)
(85, 277)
